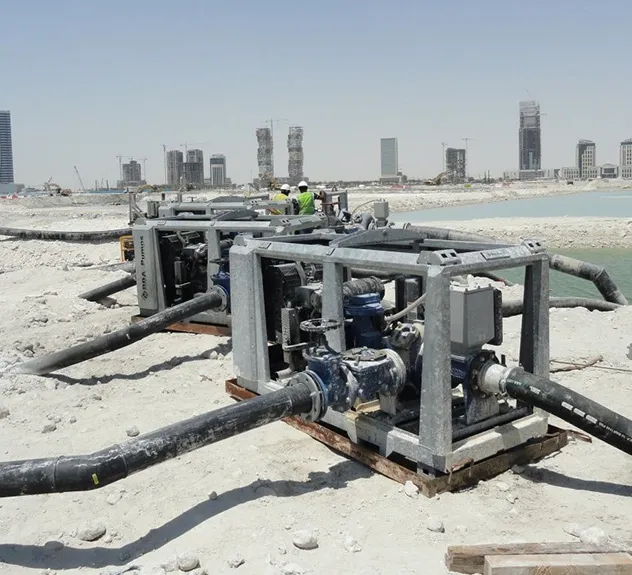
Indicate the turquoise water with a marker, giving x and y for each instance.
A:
(602, 204)
(617, 261)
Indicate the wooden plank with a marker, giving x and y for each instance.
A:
(471, 558)
(192, 327)
(405, 470)
(561, 564)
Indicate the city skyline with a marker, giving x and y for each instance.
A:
(473, 93)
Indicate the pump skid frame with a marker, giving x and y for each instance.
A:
(433, 448)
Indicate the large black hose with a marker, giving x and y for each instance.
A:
(65, 236)
(596, 274)
(122, 337)
(584, 270)
(570, 406)
(514, 307)
(87, 472)
(116, 286)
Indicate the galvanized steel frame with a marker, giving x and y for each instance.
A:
(433, 449)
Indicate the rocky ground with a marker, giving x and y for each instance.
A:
(272, 501)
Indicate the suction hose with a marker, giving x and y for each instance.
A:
(65, 236)
(215, 299)
(87, 472)
(584, 270)
(596, 274)
(560, 401)
(116, 286)
(514, 307)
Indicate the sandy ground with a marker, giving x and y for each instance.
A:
(243, 500)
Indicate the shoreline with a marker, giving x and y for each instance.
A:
(553, 233)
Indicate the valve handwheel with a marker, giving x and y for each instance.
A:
(319, 325)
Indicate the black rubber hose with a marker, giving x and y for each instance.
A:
(591, 417)
(121, 338)
(584, 270)
(449, 234)
(596, 274)
(514, 307)
(361, 286)
(65, 236)
(88, 472)
(116, 286)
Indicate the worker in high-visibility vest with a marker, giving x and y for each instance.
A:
(281, 196)
(306, 200)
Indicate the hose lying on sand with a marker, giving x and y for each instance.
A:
(214, 299)
(514, 307)
(103, 291)
(584, 270)
(88, 472)
(558, 400)
(65, 236)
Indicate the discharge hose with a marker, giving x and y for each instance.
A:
(587, 415)
(116, 286)
(65, 236)
(101, 468)
(514, 307)
(214, 299)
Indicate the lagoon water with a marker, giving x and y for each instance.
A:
(602, 204)
(617, 261)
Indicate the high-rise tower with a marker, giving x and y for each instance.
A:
(295, 154)
(6, 148)
(529, 136)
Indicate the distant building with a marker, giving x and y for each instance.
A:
(609, 171)
(569, 173)
(389, 160)
(6, 148)
(265, 162)
(295, 155)
(586, 159)
(194, 167)
(131, 174)
(625, 159)
(175, 167)
(455, 162)
(527, 175)
(218, 170)
(530, 149)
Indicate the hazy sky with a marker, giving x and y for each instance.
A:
(87, 80)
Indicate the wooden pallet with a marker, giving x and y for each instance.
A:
(538, 558)
(403, 470)
(191, 327)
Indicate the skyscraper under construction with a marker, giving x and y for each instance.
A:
(264, 156)
(295, 155)
(529, 137)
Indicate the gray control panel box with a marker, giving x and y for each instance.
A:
(472, 315)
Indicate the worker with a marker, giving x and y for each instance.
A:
(281, 196)
(306, 200)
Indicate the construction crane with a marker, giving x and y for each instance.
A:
(83, 189)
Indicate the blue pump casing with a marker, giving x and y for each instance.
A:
(222, 279)
(366, 313)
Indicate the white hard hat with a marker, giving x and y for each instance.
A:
(302, 184)
(285, 187)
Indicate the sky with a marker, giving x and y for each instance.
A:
(87, 81)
